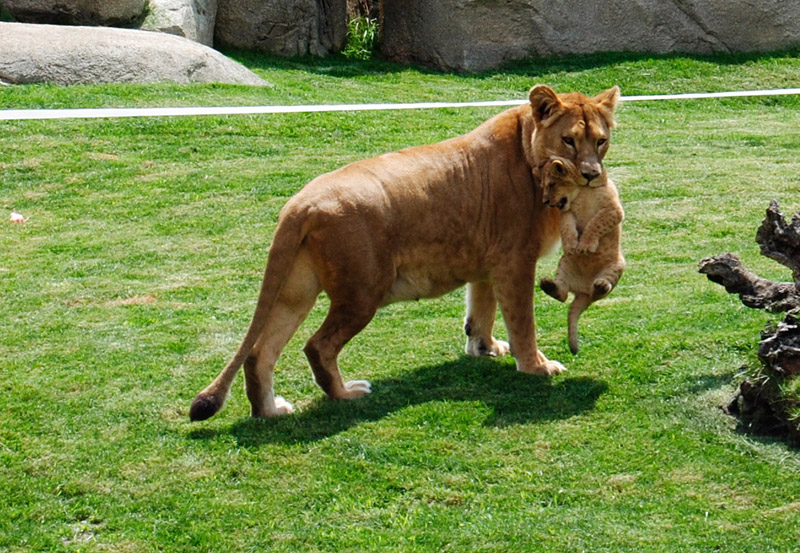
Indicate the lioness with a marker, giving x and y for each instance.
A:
(414, 224)
(591, 228)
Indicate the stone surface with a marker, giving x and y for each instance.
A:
(72, 55)
(192, 19)
(282, 27)
(76, 12)
(476, 35)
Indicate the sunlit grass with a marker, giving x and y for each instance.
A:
(135, 275)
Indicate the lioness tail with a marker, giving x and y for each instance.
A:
(285, 245)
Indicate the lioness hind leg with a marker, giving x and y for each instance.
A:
(344, 320)
(296, 299)
(478, 324)
(259, 366)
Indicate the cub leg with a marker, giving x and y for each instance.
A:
(481, 311)
(342, 323)
(557, 287)
(606, 280)
(515, 294)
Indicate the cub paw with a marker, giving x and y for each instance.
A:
(586, 247)
(601, 287)
(550, 287)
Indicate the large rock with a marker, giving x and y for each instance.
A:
(192, 19)
(75, 55)
(476, 35)
(282, 27)
(76, 12)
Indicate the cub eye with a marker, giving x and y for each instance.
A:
(569, 141)
(602, 141)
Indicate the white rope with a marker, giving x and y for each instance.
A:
(93, 113)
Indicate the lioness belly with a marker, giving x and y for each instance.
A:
(413, 283)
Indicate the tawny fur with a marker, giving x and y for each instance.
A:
(414, 224)
(591, 230)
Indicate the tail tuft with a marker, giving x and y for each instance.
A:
(204, 407)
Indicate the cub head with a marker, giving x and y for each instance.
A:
(560, 183)
(573, 127)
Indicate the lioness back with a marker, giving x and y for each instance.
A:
(442, 211)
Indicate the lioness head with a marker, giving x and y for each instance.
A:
(573, 127)
(560, 183)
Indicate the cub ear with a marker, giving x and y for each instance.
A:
(607, 102)
(544, 102)
(557, 168)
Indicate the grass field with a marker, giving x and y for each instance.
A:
(135, 275)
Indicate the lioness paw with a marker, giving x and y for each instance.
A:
(354, 389)
(547, 368)
(283, 407)
(477, 347)
(501, 348)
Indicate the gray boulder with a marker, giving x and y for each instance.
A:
(476, 35)
(282, 27)
(192, 19)
(78, 55)
(76, 12)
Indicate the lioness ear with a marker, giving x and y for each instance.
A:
(544, 102)
(607, 102)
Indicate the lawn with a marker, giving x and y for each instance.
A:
(134, 278)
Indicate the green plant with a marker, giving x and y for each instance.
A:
(362, 38)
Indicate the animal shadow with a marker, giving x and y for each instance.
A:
(514, 398)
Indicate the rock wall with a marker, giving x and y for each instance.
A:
(192, 19)
(279, 27)
(76, 12)
(282, 27)
(460, 35)
(477, 35)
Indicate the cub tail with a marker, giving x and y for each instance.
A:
(578, 306)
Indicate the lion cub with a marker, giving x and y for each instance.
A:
(591, 227)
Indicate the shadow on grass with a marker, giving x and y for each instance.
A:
(514, 398)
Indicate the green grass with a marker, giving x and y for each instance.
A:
(136, 273)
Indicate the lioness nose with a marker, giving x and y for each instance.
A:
(590, 174)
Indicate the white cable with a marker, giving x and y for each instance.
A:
(91, 113)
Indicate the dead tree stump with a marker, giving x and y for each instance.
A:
(761, 402)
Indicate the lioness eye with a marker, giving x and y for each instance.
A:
(569, 141)
(601, 141)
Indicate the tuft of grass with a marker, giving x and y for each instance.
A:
(135, 275)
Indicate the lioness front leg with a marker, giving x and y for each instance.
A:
(478, 324)
(515, 294)
(322, 350)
